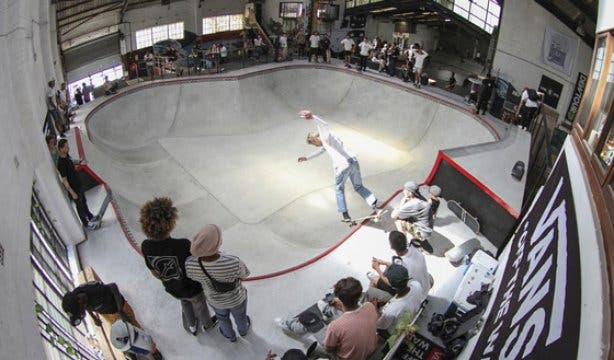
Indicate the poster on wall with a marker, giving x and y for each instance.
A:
(559, 50)
(574, 103)
(552, 91)
(536, 312)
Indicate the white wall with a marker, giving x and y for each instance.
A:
(96, 66)
(24, 34)
(519, 51)
(605, 16)
(187, 11)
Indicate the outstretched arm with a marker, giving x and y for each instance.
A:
(321, 124)
(314, 154)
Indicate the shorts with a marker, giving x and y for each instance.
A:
(417, 69)
(347, 53)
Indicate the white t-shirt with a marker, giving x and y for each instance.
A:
(347, 44)
(420, 58)
(415, 263)
(333, 146)
(223, 51)
(63, 96)
(258, 42)
(392, 311)
(528, 102)
(283, 41)
(50, 98)
(364, 48)
(314, 41)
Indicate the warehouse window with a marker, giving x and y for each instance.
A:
(148, 37)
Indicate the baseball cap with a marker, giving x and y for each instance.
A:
(435, 190)
(397, 276)
(411, 186)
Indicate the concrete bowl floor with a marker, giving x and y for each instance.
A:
(225, 150)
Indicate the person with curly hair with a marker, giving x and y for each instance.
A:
(165, 257)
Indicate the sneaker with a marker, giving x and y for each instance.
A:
(232, 339)
(346, 217)
(371, 275)
(282, 324)
(213, 324)
(249, 325)
(91, 225)
(193, 329)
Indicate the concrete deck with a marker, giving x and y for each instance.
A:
(226, 150)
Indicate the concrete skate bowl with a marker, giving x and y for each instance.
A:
(225, 150)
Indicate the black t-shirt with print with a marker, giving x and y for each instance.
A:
(100, 298)
(167, 259)
(67, 170)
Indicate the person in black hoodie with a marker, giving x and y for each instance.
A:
(488, 85)
(165, 257)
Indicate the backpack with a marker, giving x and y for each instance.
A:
(533, 95)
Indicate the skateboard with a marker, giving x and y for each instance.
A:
(375, 217)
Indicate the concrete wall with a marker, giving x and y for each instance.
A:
(519, 51)
(605, 16)
(24, 36)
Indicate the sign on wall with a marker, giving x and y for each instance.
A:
(552, 91)
(559, 50)
(536, 312)
(575, 99)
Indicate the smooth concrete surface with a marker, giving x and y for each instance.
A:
(230, 159)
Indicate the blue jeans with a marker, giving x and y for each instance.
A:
(352, 172)
(239, 313)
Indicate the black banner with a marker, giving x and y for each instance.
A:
(536, 313)
(552, 91)
(575, 99)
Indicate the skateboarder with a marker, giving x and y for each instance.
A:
(345, 163)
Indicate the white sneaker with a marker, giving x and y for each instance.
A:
(92, 225)
(193, 329)
(280, 323)
(371, 275)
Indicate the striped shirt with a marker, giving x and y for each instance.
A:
(226, 268)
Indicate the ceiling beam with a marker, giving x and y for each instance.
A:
(123, 11)
(75, 4)
(86, 19)
(87, 11)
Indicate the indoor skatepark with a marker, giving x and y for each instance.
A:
(234, 163)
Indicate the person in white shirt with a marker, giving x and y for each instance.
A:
(419, 56)
(258, 44)
(314, 46)
(413, 214)
(283, 45)
(223, 53)
(345, 163)
(527, 109)
(365, 46)
(409, 296)
(348, 46)
(407, 256)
